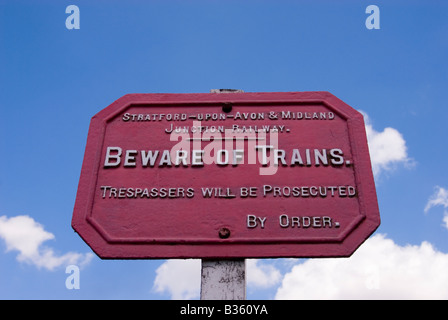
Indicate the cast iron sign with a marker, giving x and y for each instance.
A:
(222, 175)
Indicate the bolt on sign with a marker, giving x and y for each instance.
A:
(234, 175)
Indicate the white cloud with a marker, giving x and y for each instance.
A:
(439, 198)
(387, 148)
(181, 279)
(23, 234)
(379, 269)
(261, 275)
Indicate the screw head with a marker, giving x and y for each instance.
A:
(224, 233)
(226, 107)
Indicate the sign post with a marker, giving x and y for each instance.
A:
(226, 176)
(223, 279)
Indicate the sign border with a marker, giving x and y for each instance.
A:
(131, 248)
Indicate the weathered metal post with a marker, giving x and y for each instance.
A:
(223, 279)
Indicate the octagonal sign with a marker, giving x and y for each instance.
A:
(226, 175)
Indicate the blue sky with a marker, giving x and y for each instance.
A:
(53, 80)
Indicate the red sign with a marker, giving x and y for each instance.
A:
(221, 175)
